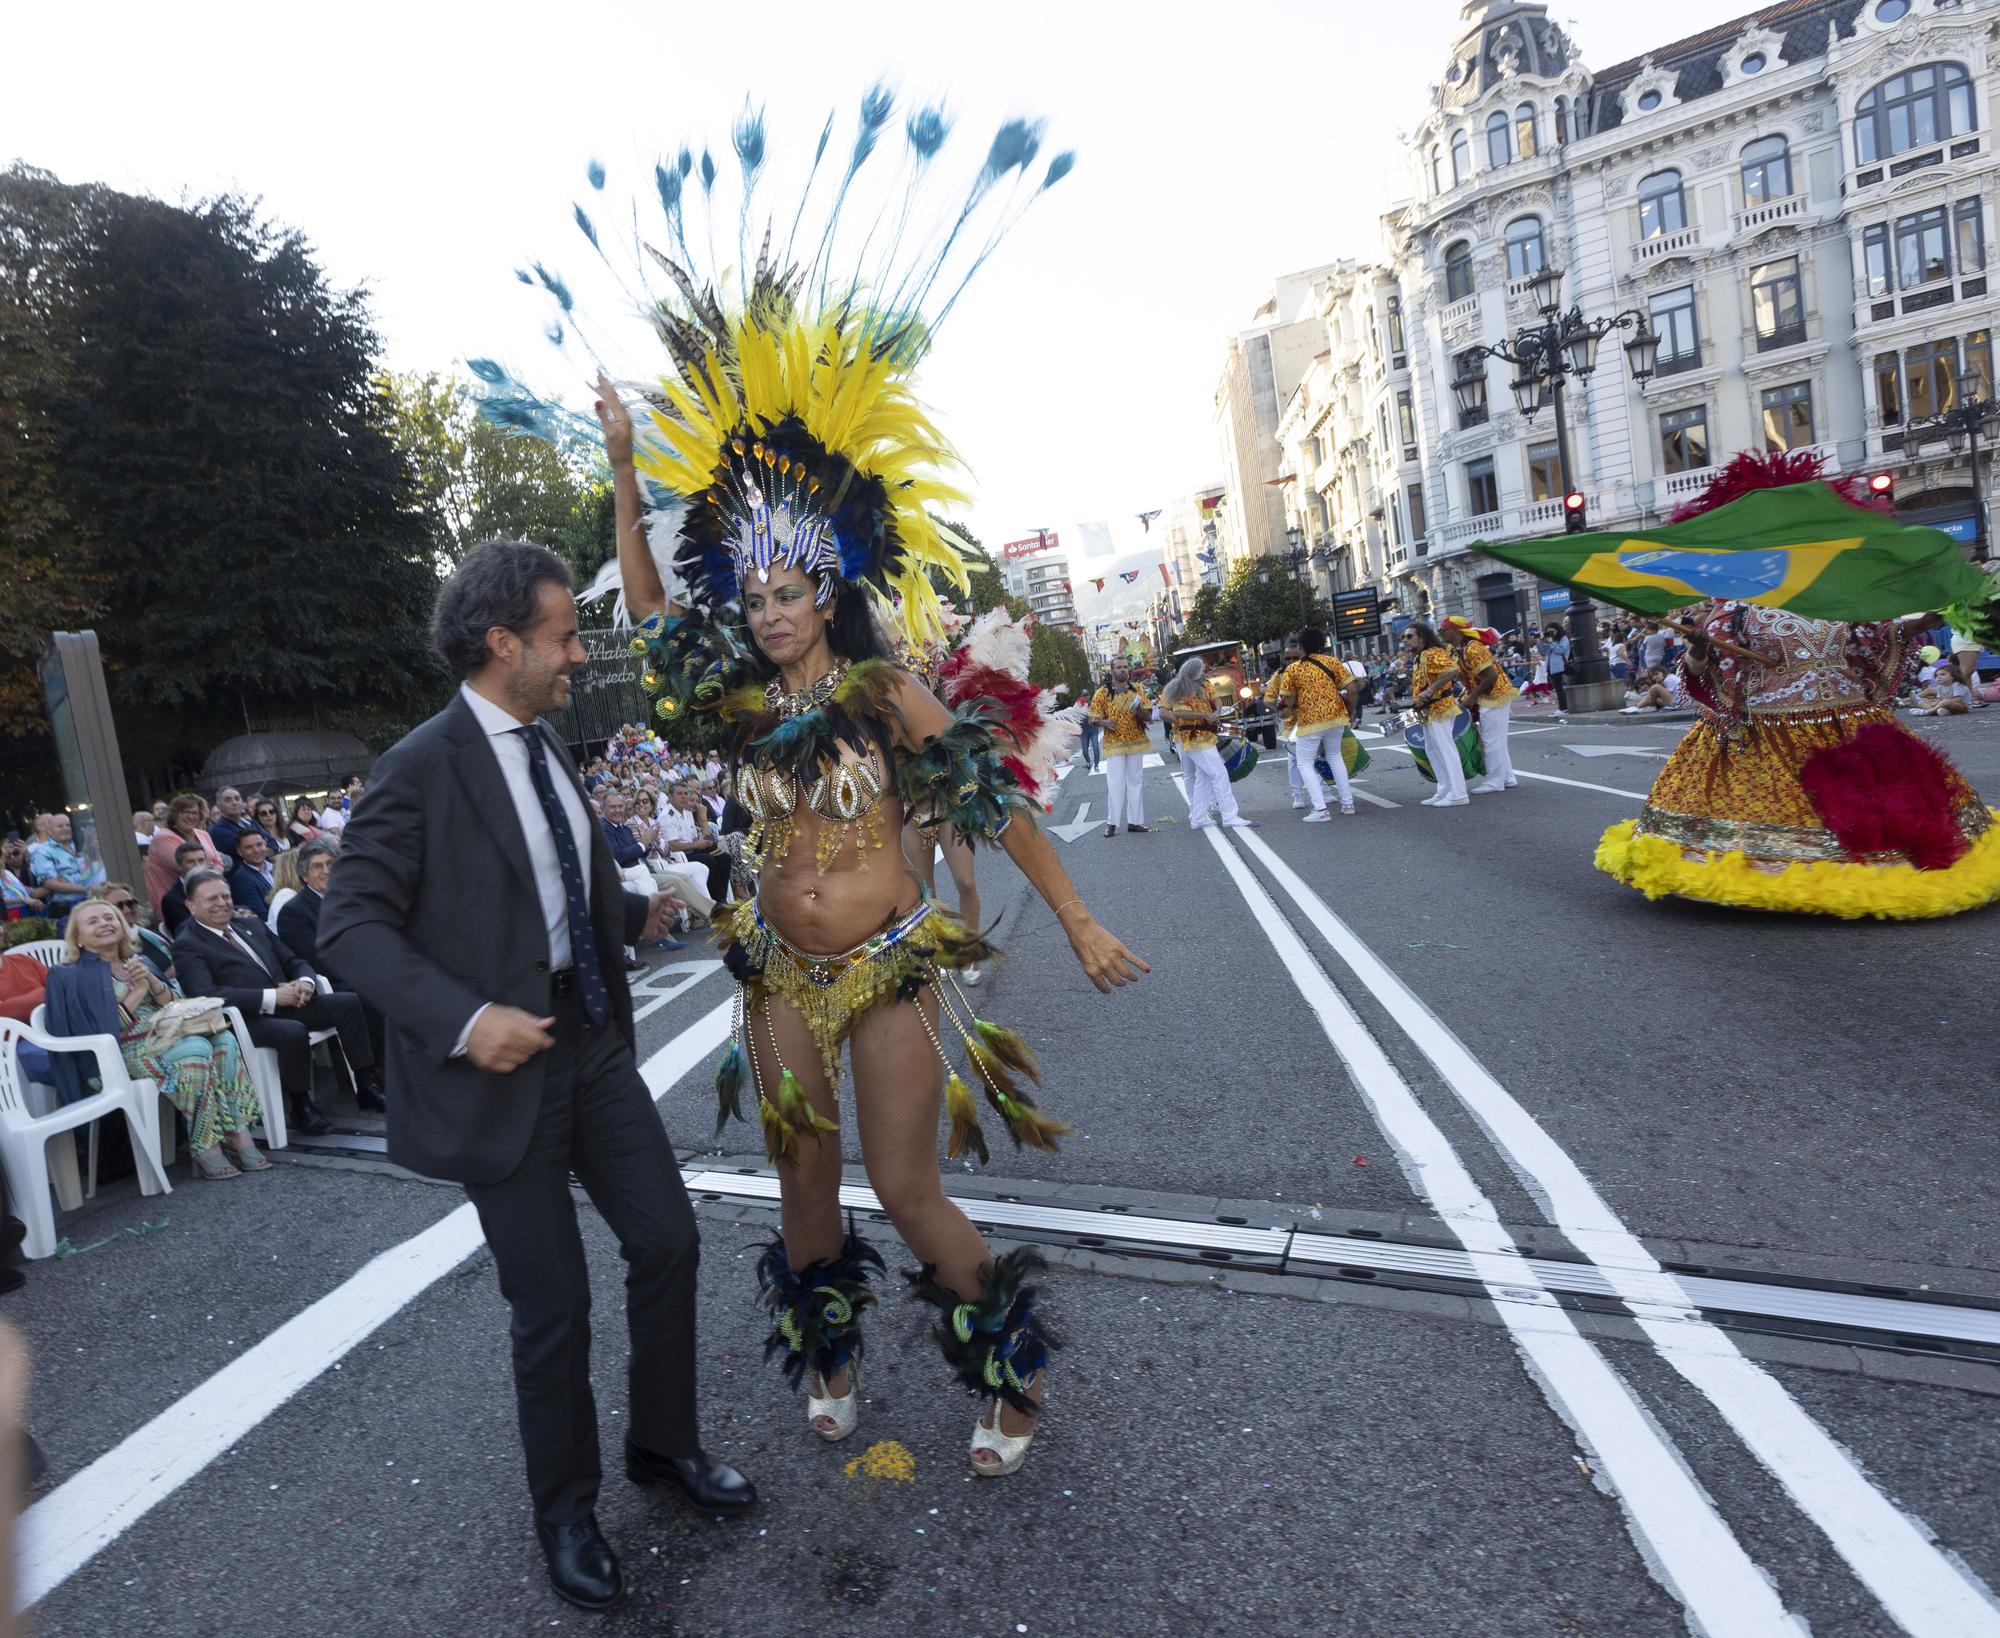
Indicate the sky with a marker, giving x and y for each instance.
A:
(426, 150)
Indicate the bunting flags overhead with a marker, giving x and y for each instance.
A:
(1146, 519)
(1164, 580)
(1098, 582)
(1128, 575)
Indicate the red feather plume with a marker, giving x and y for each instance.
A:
(1753, 470)
(1886, 791)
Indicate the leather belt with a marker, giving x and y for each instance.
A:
(562, 983)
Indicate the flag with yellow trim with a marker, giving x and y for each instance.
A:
(1800, 547)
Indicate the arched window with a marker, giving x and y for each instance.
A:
(1525, 256)
(1767, 170)
(1437, 169)
(1923, 105)
(1458, 271)
(1662, 206)
(1461, 159)
(1562, 120)
(1498, 152)
(1526, 141)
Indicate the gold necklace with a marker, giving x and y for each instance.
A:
(809, 698)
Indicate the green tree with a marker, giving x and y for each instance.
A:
(219, 461)
(1203, 622)
(1261, 610)
(476, 481)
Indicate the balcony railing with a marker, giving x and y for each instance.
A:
(1786, 335)
(1666, 244)
(1680, 485)
(1464, 530)
(1754, 217)
(1460, 312)
(1678, 363)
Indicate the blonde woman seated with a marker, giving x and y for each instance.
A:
(104, 987)
(285, 885)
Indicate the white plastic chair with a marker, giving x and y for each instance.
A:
(264, 1075)
(24, 1137)
(50, 952)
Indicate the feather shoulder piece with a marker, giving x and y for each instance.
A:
(963, 777)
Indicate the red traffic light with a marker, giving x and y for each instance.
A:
(1573, 501)
(1881, 483)
(1573, 514)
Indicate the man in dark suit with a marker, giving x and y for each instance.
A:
(298, 931)
(476, 904)
(240, 960)
(173, 903)
(250, 875)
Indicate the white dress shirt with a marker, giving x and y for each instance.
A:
(677, 825)
(499, 725)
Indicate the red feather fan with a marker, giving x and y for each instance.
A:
(1885, 791)
(1755, 469)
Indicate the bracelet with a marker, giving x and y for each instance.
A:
(1064, 906)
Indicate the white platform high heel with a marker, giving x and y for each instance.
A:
(844, 1413)
(1009, 1450)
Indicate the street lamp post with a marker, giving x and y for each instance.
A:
(1961, 426)
(1545, 355)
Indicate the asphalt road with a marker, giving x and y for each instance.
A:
(1425, 1024)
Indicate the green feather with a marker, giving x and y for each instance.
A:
(965, 1132)
(729, 1088)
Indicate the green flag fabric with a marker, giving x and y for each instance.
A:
(1800, 547)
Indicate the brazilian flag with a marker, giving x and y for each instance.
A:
(1800, 547)
(1464, 734)
(1352, 753)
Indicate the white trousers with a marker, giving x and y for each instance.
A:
(1208, 787)
(1307, 749)
(1125, 777)
(1292, 772)
(687, 882)
(1444, 761)
(1493, 742)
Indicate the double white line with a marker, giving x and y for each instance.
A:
(1673, 1522)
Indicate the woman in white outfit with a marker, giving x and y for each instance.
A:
(1492, 697)
(1434, 697)
(1188, 707)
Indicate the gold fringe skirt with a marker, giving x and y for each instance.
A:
(1729, 822)
(921, 950)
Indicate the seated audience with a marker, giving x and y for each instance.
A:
(278, 993)
(19, 895)
(59, 870)
(629, 855)
(264, 814)
(688, 829)
(1651, 694)
(128, 904)
(250, 880)
(188, 858)
(187, 821)
(297, 928)
(143, 826)
(303, 825)
(284, 888)
(104, 988)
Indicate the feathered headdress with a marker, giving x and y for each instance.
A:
(1775, 469)
(787, 424)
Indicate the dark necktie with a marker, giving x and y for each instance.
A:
(576, 902)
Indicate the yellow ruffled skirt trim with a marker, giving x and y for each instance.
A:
(1891, 892)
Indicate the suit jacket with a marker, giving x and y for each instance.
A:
(432, 912)
(250, 890)
(174, 909)
(298, 925)
(210, 965)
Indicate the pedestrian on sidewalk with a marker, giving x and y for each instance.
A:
(1555, 650)
(512, 1055)
(1319, 692)
(1188, 707)
(1434, 698)
(1121, 709)
(1490, 697)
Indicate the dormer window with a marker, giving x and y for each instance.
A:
(1922, 106)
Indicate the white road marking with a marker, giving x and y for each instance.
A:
(1076, 827)
(1891, 1552)
(661, 985)
(1369, 796)
(1615, 750)
(1675, 1527)
(1581, 785)
(80, 1518)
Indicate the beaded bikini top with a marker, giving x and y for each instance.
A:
(837, 784)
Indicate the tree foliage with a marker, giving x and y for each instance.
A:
(1246, 609)
(210, 478)
(1054, 655)
(475, 481)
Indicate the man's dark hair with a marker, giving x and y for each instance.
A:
(1312, 640)
(182, 852)
(498, 584)
(244, 835)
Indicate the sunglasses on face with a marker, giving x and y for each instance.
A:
(126, 905)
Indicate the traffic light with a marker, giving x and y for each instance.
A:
(1882, 484)
(1574, 521)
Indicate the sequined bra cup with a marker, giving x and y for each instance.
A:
(843, 798)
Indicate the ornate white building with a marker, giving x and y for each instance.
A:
(1796, 204)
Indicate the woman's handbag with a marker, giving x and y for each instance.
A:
(200, 1015)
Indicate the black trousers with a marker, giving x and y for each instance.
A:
(289, 1030)
(1559, 681)
(598, 1120)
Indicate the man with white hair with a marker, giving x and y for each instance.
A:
(1188, 707)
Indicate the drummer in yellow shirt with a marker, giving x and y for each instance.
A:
(1317, 692)
(1489, 691)
(1122, 710)
(1434, 698)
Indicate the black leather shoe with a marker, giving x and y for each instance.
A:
(582, 1567)
(1135, 829)
(706, 1482)
(369, 1097)
(309, 1120)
